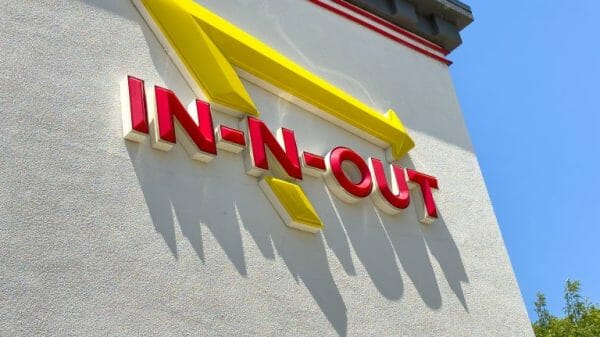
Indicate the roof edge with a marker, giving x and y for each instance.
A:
(439, 21)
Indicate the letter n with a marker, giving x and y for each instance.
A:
(171, 118)
(282, 150)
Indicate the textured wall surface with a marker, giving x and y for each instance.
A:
(99, 236)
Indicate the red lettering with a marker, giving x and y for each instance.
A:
(230, 139)
(199, 140)
(284, 149)
(346, 174)
(426, 208)
(338, 181)
(313, 164)
(390, 200)
(135, 113)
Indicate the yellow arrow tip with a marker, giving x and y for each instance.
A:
(394, 120)
(292, 204)
(400, 147)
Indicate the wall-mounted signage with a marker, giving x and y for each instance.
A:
(211, 54)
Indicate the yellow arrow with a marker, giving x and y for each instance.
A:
(209, 47)
(291, 203)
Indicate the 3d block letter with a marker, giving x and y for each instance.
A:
(390, 199)
(427, 211)
(283, 149)
(170, 115)
(337, 179)
(135, 112)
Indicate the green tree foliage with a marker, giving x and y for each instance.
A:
(582, 319)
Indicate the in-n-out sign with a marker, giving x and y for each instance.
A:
(159, 114)
(212, 55)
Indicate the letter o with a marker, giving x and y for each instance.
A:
(338, 181)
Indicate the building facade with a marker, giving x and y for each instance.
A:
(125, 212)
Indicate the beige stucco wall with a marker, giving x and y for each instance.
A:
(99, 236)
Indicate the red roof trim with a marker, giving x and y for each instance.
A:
(391, 26)
(387, 24)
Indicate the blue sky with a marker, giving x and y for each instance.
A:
(528, 78)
